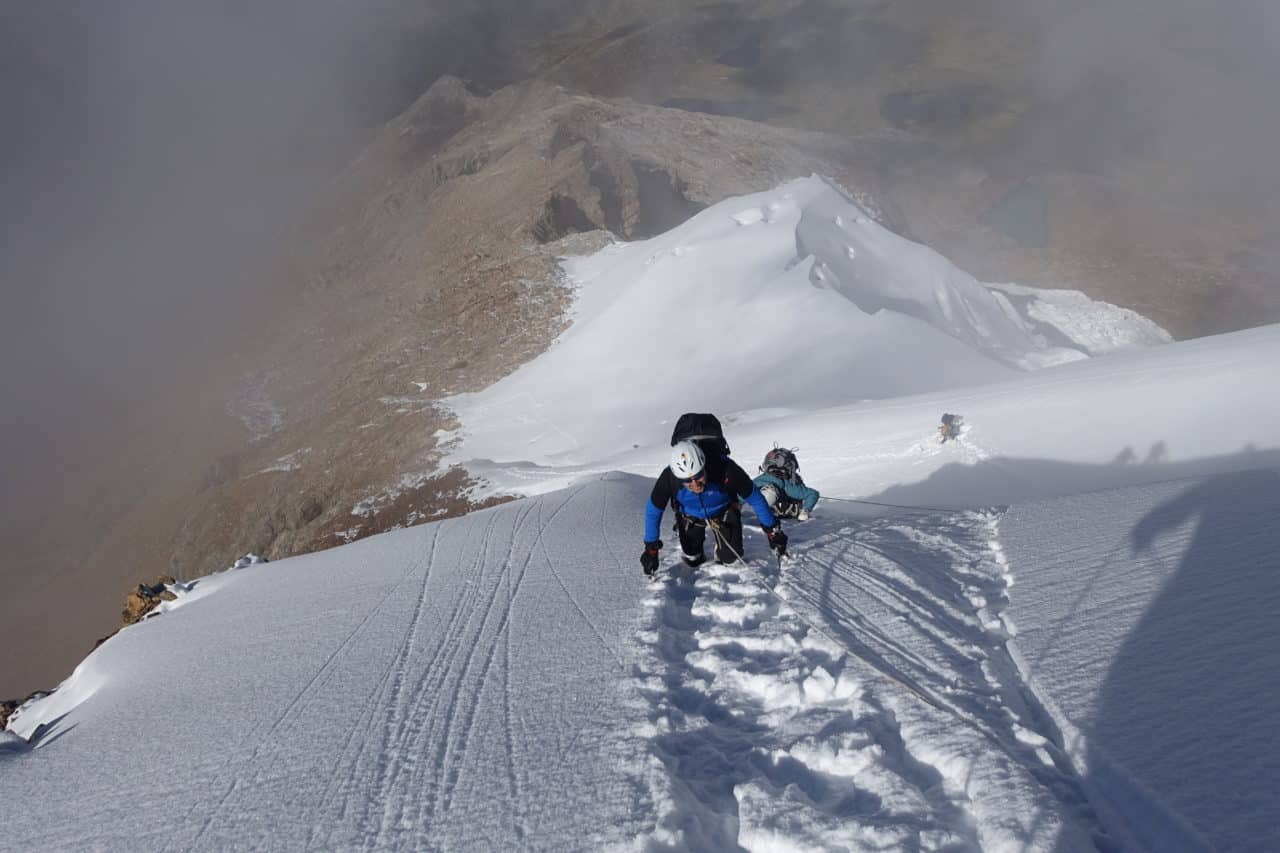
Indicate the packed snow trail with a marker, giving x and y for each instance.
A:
(860, 698)
(510, 680)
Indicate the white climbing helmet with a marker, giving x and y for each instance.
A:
(687, 460)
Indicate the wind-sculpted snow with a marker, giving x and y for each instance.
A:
(509, 680)
(878, 270)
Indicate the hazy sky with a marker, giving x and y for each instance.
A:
(1200, 78)
(151, 151)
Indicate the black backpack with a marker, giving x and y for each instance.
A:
(781, 462)
(704, 430)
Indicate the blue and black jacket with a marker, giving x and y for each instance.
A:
(727, 484)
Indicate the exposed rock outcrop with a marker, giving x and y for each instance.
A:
(138, 605)
(142, 601)
(10, 706)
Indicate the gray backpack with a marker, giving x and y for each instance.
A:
(780, 462)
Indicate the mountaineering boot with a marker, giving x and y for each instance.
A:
(693, 562)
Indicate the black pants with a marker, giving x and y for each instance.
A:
(727, 534)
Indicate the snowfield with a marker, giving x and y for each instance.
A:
(1055, 633)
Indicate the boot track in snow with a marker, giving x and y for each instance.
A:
(860, 697)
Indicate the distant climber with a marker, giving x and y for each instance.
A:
(783, 487)
(706, 489)
(950, 427)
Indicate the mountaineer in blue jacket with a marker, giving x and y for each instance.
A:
(783, 487)
(705, 493)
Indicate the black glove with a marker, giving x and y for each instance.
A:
(649, 559)
(777, 539)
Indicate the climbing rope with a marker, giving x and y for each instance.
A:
(910, 508)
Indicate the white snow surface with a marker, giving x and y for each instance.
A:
(1059, 637)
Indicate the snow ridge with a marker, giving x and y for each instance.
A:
(746, 267)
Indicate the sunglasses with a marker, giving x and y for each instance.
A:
(696, 478)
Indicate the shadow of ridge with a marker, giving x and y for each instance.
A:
(1127, 802)
(1180, 737)
(11, 744)
(1002, 481)
(1176, 750)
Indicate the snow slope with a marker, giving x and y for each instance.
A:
(1063, 644)
(423, 688)
(1179, 410)
(509, 680)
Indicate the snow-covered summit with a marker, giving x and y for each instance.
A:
(721, 313)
